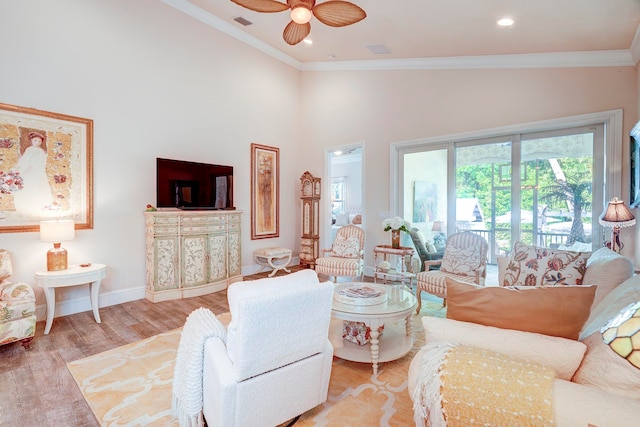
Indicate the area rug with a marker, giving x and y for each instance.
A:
(132, 385)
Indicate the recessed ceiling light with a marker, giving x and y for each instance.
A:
(308, 41)
(505, 22)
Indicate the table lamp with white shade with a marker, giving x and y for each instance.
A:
(56, 232)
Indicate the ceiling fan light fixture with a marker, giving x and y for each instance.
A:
(300, 15)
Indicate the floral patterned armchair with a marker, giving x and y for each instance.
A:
(464, 259)
(17, 307)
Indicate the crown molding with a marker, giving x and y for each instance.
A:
(604, 58)
(635, 46)
(205, 17)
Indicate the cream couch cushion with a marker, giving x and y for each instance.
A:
(606, 269)
(601, 367)
(561, 354)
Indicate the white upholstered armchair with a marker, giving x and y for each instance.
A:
(346, 256)
(277, 359)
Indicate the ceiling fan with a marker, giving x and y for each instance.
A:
(335, 13)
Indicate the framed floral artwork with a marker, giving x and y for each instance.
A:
(265, 191)
(46, 168)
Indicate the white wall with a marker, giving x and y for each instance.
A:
(382, 107)
(156, 84)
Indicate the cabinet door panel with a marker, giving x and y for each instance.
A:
(165, 254)
(218, 258)
(235, 267)
(194, 260)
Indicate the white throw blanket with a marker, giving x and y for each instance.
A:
(187, 376)
(427, 398)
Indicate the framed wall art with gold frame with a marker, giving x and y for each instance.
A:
(265, 192)
(46, 168)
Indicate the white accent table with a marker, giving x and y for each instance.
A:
(402, 257)
(72, 276)
(395, 341)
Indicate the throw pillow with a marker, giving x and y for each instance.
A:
(5, 265)
(342, 219)
(561, 354)
(430, 248)
(357, 219)
(606, 269)
(463, 261)
(535, 266)
(346, 247)
(559, 311)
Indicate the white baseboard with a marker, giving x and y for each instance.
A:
(248, 270)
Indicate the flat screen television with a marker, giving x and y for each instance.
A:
(190, 185)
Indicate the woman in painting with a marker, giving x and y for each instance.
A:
(36, 192)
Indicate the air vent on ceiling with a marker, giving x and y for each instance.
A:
(378, 49)
(243, 21)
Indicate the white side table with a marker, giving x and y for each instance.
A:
(72, 276)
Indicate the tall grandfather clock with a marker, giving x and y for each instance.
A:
(310, 195)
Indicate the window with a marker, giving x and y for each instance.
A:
(553, 198)
(338, 197)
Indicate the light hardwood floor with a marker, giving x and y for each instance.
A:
(36, 388)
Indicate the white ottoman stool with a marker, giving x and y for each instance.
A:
(276, 258)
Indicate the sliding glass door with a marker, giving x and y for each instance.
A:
(483, 192)
(558, 186)
(471, 186)
(425, 195)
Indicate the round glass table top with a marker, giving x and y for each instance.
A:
(399, 299)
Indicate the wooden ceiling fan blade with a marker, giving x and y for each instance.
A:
(295, 33)
(337, 13)
(268, 6)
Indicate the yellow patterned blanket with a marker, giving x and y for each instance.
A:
(466, 386)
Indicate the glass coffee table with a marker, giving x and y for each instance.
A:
(395, 341)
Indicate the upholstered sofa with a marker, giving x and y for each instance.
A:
(580, 380)
(17, 307)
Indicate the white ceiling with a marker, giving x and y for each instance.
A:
(445, 33)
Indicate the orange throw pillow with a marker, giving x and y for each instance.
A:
(558, 311)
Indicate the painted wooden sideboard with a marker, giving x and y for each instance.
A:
(191, 253)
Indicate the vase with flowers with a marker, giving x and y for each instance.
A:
(395, 225)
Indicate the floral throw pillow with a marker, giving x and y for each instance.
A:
(5, 265)
(346, 247)
(536, 266)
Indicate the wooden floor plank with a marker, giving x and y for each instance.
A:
(36, 388)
